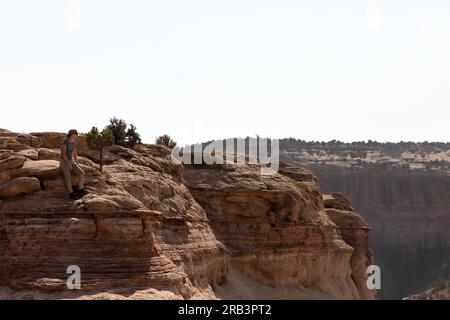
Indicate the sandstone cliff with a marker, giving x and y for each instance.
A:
(151, 229)
(402, 191)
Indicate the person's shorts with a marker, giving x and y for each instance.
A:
(67, 172)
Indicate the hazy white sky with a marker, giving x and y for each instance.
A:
(200, 70)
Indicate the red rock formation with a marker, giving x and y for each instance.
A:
(138, 228)
(277, 231)
(150, 230)
(355, 232)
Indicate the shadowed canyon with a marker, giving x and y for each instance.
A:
(403, 191)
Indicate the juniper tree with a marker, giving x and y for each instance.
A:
(124, 136)
(132, 137)
(166, 140)
(98, 140)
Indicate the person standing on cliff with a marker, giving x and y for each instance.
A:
(68, 163)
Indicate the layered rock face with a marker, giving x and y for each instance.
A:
(410, 214)
(406, 206)
(403, 192)
(150, 228)
(355, 232)
(279, 232)
(139, 228)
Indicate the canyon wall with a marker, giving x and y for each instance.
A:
(410, 215)
(403, 192)
(404, 206)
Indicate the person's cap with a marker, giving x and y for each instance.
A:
(71, 132)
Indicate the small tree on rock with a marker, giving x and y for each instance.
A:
(118, 128)
(98, 140)
(132, 137)
(166, 140)
(124, 136)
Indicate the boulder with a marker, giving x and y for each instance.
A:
(11, 163)
(19, 186)
(7, 133)
(29, 153)
(48, 154)
(50, 139)
(40, 168)
(29, 140)
(11, 143)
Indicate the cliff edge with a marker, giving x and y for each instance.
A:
(152, 229)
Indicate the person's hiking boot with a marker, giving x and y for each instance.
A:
(82, 192)
(74, 196)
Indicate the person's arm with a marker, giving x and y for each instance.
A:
(64, 155)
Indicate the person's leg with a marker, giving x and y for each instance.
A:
(67, 176)
(81, 181)
(80, 173)
(69, 185)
